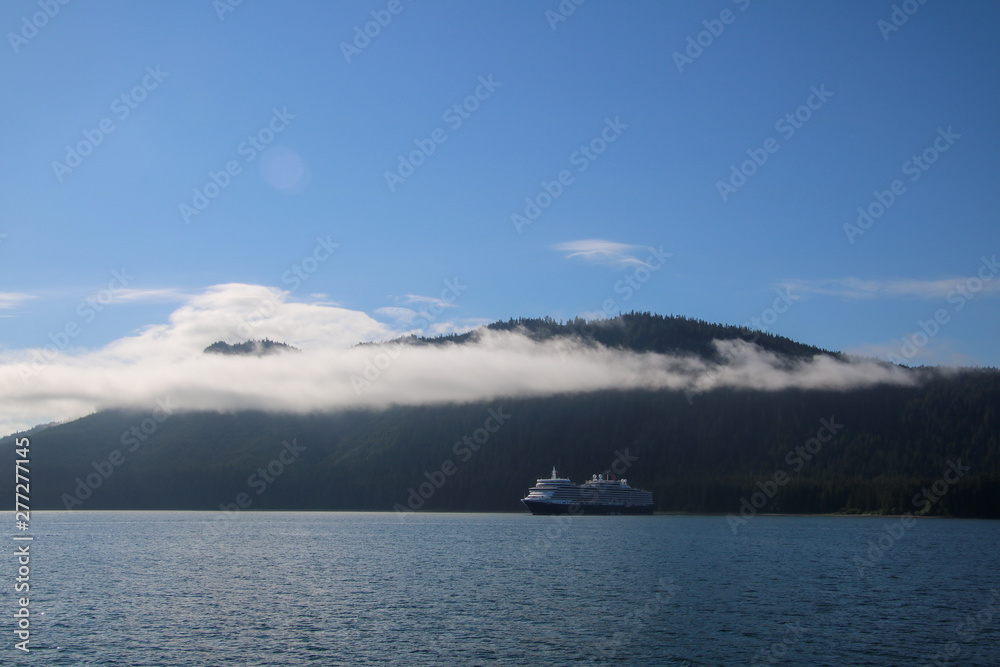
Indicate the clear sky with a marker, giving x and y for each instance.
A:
(702, 159)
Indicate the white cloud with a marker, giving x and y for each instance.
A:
(593, 315)
(425, 321)
(603, 252)
(398, 314)
(117, 295)
(856, 288)
(458, 326)
(407, 319)
(13, 299)
(429, 301)
(165, 361)
(149, 295)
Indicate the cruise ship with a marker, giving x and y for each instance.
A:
(558, 495)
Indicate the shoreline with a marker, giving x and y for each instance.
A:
(511, 513)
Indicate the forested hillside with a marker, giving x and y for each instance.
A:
(642, 332)
(701, 456)
(870, 450)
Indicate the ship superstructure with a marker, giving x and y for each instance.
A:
(558, 495)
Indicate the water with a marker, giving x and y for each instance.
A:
(159, 588)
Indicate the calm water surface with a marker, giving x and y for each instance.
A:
(188, 588)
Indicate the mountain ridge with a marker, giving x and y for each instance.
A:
(703, 452)
(637, 331)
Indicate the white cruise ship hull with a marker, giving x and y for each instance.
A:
(541, 507)
(558, 495)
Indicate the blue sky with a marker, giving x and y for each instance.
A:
(642, 123)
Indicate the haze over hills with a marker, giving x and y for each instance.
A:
(867, 438)
(167, 362)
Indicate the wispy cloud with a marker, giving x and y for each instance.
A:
(398, 314)
(603, 252)
(426, 301)
(856, 288)
(456, 326)
(119, 295)
(422, 322)
(162, 295)
(426, 309)
(425, 317)
(13, 299)
(166, 361)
